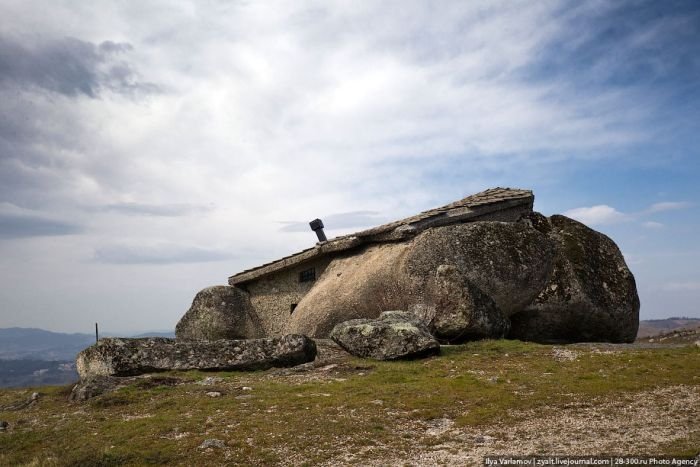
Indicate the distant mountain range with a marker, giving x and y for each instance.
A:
(35, 357)
(654, 327)
(38, 344)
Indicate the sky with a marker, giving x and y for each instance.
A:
(151, 149)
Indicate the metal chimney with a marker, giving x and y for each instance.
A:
(317, 226)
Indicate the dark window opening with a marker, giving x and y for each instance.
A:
(308, 275)
(292, 307)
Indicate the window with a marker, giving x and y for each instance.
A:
(308, 275)
(292, 307)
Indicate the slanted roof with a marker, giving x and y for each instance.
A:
(469, 209)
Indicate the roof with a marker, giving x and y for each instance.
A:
(468, 209)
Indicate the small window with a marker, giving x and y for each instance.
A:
(292, 307)
(309, 275)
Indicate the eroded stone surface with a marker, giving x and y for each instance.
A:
(459, 311)
(510, 262)
(590, 294)
(394, 335)
(125, 357)
(547, 279)
(94, 386)
(220, 312)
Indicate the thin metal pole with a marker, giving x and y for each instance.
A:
(97, 335)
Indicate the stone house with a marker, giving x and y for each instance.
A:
(276, 289)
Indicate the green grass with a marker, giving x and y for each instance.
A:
(158, 423)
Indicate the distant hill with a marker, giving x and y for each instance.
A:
(654, 327)
(156, 334)
(39, 344)
(36, 357)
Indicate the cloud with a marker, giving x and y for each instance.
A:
(164, 210)
(597, 215)
(343, 220)
(21, 226)
(157, 254)
(17, 222)
(68, 66)
(604, 214)
(668, 206)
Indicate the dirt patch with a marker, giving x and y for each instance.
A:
(639, 424)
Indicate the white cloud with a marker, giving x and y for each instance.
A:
(597, 215)
(157, 254)
(668, 206)
(653, 225)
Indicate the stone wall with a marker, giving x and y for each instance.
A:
(274, 296)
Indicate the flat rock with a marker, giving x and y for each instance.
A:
(212, 443)
(394, 335)
(127, 357)
(94, 386)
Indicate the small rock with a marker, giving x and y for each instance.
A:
(394, 335)
(210, 380)
(212, 443)
(483, 439)
(697, 343)
(564, 355)
(246, 388)
(214, 394)
(91, 387)
(4, 425)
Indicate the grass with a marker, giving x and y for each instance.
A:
(367, 409)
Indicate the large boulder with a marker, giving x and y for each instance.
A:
(459, 311)
(510, 262)
(128, 357)
(554, 279)
(394, 335)
(358, 285)
(590, 294)
(220, 312)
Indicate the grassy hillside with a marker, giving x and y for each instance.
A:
(481, 398)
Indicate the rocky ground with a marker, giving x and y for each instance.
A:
(483, 398)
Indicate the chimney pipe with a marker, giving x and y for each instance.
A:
(317, 226)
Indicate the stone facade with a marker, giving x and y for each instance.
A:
(482, 267)
(277, 288)
(274, 297)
